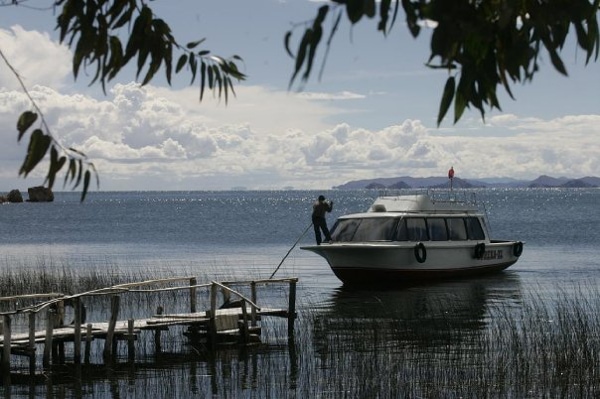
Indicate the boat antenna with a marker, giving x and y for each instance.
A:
(290, 250)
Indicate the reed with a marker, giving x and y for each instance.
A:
(539, 346)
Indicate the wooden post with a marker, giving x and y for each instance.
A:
(88, 342)
(193, 329)
(60, 314)
(244, 327)
(31, 346)
(32, 331)
(48, 340)
(193, 282)
(6, 344)
(213, 313)
(292, 308)
(226, 294)
(157, 343)
(130, 340)
(157, 332)
(114, 313)
(77, 332)
(59, 321)
(253, 298)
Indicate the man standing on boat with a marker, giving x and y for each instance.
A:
(320, 207)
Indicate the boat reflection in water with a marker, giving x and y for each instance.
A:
(448, 313)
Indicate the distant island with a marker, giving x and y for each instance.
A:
(407, 182)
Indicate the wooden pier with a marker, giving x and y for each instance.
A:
(237, 320)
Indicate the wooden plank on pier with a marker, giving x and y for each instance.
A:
(100, 329)
(226, 325)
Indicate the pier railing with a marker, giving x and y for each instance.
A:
(239, 315)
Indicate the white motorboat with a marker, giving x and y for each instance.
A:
(415, 237)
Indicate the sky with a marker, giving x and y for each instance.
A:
(371, 114)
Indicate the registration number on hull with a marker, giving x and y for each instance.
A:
(493, 254)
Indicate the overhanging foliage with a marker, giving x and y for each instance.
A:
(482, 43)
(94, 29)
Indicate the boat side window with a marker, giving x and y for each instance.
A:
(401, 231)
(375, 229)
(417, 229)
(437, 229)
(456, 229)
(474, 230)
(344, 229)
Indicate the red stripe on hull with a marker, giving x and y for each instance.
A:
(355, 275)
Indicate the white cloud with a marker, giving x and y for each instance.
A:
(36, 58)
(344, 95)
(161, 138)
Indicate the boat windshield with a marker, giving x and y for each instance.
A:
(367, 229)
(407, 229)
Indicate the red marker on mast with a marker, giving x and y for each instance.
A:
(451, 175)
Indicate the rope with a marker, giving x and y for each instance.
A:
(290, 250)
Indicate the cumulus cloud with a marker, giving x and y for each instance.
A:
(136, 134)
(161, 138)
(37, 59)
(344, 95)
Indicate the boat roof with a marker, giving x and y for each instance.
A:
(418, 204)
(422, 203)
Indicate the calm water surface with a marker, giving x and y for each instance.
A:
(242, 234)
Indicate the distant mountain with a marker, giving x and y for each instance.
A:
(594, 181)
(408, 182)
(577, 183)
(547, 181)
(457, 182)
(375, 186)
(387, 182)
(399, 185)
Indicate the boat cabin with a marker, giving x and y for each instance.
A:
(412, 218)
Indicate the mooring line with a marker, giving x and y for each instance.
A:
(290, 250)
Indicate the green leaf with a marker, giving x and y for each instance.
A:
(557, 62)
(86, 185)
(181, 62)
(193, 66)
(354, 9)
(202, 78)
(116, 57)
(315, 39)
(210, 77)
(25, 121)
(384, 9)
(70, 174)
(411, 17)
(447, 97)
(79, 172)
(126, 16)
(369, 8)
(460, 103)
(301, 55)
(192, 45)
(56, 165)
(286, 43)
(38, 146)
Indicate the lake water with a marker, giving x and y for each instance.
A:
(247, 234)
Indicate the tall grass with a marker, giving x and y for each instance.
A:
(538, 347)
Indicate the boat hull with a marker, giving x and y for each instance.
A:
(393, 263)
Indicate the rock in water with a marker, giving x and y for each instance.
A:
(40, 194)
(14, 196)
